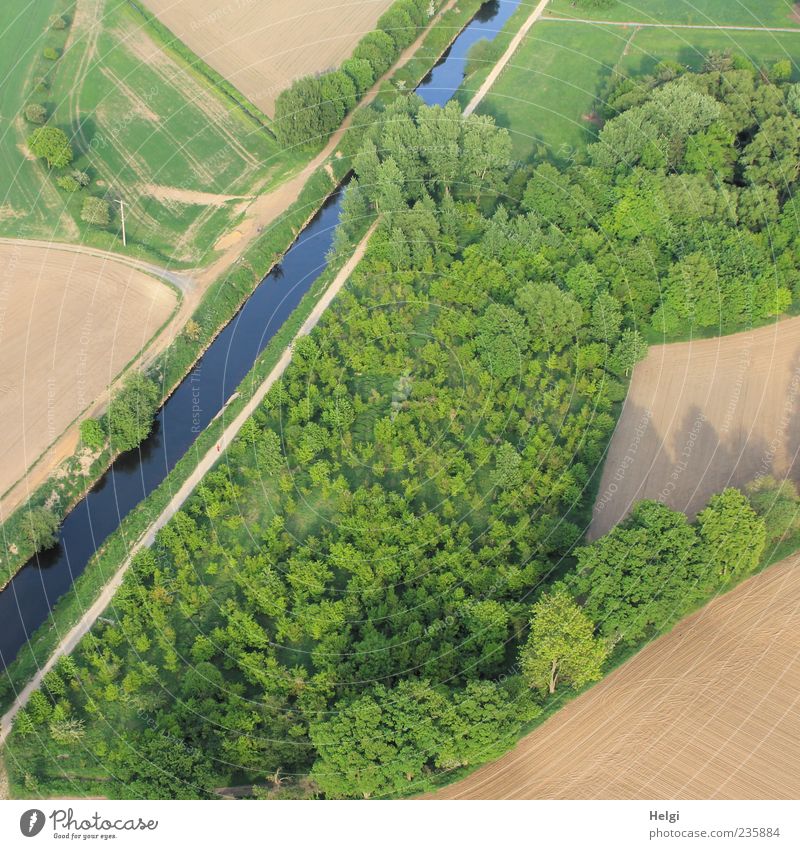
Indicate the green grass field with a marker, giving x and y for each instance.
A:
(548, 93)
(690, 47)
(764, 13)
(147, 127)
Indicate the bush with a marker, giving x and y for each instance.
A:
(81, 178)
(50, 53)
(95, 211)
(397, 24)
(92, 434)
(51, 144)
(69, 184)
(40, 528)
(57, 22)
(35, 113)
(131, 412)
(378, 49)
(360, 72)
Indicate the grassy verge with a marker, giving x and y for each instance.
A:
(165, 35)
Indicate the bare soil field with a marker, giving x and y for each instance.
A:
(703, 415)
(69, 324)
(261, 48)
(709, 711)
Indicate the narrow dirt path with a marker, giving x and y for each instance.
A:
(505, 58)
(658, 25)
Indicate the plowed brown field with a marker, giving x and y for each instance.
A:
(709, 711)
(69, 323)
(700, 416)
(261, 47)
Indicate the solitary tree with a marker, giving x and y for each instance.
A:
(561, 647)
(51, 144)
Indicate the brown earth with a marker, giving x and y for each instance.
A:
(261, 48)
(69, 324)
(709, 711)
(701, 416)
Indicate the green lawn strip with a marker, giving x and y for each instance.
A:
(765, 13)
(548, 90)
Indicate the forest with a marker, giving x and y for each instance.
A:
(385, 579)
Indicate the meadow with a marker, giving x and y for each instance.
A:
(763, 13)
(548, 95)
(146, 125)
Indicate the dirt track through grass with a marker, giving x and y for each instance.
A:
(709, 711)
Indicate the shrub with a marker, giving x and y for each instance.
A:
(69, 184)
(50, 53)
(58, 22)
(35, 113)
(378, 49)
(81, 178)
(51, 144)
(95, 211)
(40, 528)
(131, 413)
(360, 72)
(92, 434)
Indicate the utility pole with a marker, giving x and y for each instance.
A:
(122, 215)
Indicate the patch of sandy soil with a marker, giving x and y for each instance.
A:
(187, 196)
(228, 240)
(709, 711)
(70, 323)
(703, 415)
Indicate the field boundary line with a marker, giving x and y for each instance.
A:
(505, 58)
(659, 25)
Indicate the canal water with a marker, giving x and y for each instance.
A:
(34, 590)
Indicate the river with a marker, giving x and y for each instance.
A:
(30, 596)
